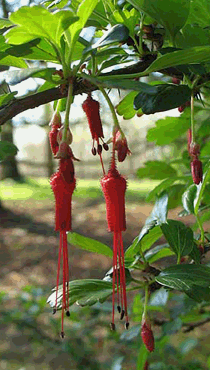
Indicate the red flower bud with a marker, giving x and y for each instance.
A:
(56, 124)
(146, 365)
(147, 335)
(196, 170)
(121, 146)
(176, 81)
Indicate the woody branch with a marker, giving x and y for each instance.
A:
(20, 105)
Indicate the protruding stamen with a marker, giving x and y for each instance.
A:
(99, 149)
(62, 334)
(67, 313)
(127, 325)
(105, 146)
(112, 326)
(54, 311)
(93, 151)
(119, 309)
(122, 314)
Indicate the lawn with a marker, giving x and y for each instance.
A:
(39, 188)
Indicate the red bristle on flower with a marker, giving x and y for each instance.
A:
(114, 187)
(147, 335)
(197, 171)
(91, 108)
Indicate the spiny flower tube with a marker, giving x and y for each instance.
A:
(91, 108)
(63, 184)
(114, 187)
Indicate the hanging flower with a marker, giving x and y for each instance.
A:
(114, 187)
(63, 184)
(91, 108)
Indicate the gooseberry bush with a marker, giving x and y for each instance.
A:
(101, 45)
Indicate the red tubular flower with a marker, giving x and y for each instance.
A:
(63, 184)
(114, 187)
(121, 146)
(147, 334)
(197, 171)
(91, 108)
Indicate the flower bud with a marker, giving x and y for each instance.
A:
(121, 146)
(147, 334)
(146, 365)
(196, 170)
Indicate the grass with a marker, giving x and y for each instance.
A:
(39, 188)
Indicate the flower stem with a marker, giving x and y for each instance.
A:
(114, 115)
(200, 227)
(68, 106)
(146, 299)
(192, 119)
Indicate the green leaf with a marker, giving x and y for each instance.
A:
(199, 13)
(5, 23)
(168, 129)
(6, 98)
(89, 244)
(142, 357)
(130, 85)
(125, 107)
(194, 280)
(156, 170)
(158, 252)
(195, 254)
(179, 237)
(15, 77)
(192, 35)
(84, 292)
(37, 21)
(7, 149)
(144, 243)
(165, 97)
(170, 14)
(84, 11)
(117, 34)
(37, 49)
(160, 188)
(157, 216)
(188, 199)
(197, 54)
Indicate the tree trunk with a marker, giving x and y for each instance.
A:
(9, 167)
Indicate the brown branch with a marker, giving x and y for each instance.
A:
(188, 327)
(19, 105)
